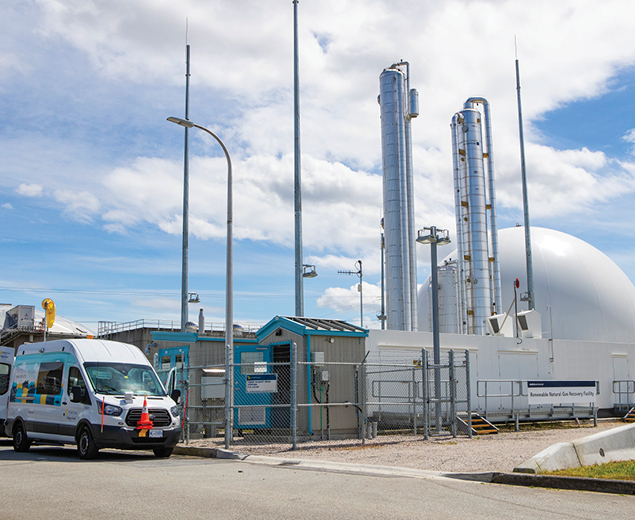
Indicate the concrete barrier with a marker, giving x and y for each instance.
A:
(612, 445)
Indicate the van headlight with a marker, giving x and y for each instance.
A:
(174, 411)
(111, 409)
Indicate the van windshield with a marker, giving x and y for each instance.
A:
(119, 378)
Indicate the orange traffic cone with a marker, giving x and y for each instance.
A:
(145, 423)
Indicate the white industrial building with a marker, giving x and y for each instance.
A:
(576, 326)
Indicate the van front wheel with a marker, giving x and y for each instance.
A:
(86, 445)
(163, 453)
(20, 441)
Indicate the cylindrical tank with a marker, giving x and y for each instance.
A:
(448, 298)
(472, 214)
(395, 100)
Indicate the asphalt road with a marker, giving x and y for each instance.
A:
(54, 483)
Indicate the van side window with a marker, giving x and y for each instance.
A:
(49, 378)
(5, 372)
(75, 379)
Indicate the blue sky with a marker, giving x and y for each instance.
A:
(91, 172)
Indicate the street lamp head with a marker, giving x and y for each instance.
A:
(182, 122)
(426, 239)
(309, 271)
(444, 239)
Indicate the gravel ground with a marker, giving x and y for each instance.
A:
(500, 452)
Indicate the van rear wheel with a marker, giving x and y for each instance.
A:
(20, 441)
(86, 445)
(163, 453)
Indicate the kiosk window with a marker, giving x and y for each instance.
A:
(248, 362)
(75, 379)
(49, 378)
(5, 372)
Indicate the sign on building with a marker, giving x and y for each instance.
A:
(263, 383)
(561, 392)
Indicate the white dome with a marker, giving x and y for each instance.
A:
(590, 297)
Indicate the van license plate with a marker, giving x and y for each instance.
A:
(156, 434)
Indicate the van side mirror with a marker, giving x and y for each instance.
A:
(176, 395)
(76, 394)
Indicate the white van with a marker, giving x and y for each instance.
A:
(57, 391)
(6, 365)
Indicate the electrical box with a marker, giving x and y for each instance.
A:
(317, 358)
(212, 387)
(324, 376)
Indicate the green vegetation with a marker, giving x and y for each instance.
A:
(611, 470)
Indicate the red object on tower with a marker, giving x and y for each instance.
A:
(517, 283)
(145, 423)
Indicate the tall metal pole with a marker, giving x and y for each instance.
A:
(229, 283)
(299, 280)
(530, 269)
(436, 346)
(186, 196)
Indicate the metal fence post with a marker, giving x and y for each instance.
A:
(414, 400)
(452, 392)
(229, 390)
(424, 383)
(469, 393)
(294, 396)
(363, 394)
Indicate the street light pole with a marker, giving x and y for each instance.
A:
(433, 238)
(359, 273)
(229, 284)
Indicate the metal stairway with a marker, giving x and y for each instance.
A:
(630, 416)
(480, 425)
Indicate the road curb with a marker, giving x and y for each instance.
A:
(622, 487)
(210, 453)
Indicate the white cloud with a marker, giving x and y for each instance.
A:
(7, 205)
(346, 301)
(29, 190)
(81, 206)
(629, 137)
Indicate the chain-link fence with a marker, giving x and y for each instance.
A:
(296, 401)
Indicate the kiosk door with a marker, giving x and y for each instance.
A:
(255, 383)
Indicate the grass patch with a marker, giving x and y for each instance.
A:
(611, 470)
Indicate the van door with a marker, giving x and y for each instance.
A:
(72, 412)
(48, 397)
(6, 364)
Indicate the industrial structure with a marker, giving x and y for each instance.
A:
(399, 105)
(25, 324)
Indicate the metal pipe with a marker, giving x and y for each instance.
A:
(400, 120)
(496, 289)
(299, 280)
(530, 269)
(457, 120)
(186, 197)
(383, 289)
(412, 254)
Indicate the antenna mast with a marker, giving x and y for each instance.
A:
(529, 297)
